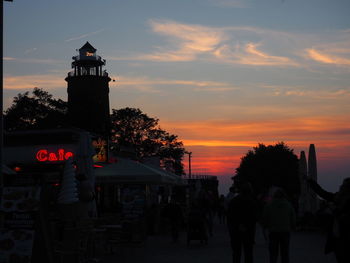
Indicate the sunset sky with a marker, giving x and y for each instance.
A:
(224, 75)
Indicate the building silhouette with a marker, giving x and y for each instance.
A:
(304, 202)
(88, 92)
(312, 174)
(308, 200)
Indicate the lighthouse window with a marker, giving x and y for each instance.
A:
(89, 54)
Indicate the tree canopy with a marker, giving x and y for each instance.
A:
(39, 110)
(272, 165)
(132, 127)
(129, 127)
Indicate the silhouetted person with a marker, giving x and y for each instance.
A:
(196, 224)
(86, 195)
(338, 238)
(205, 203)
(221, 209)
(151, 218)
(241, 222)
(231, 194)
(175, 217)
(279, 219)
(86, 191)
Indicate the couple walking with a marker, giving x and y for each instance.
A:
(278, 218)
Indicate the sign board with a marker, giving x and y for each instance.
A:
(38, 154)
(20, 206)
(100, 146)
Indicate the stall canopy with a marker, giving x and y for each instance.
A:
(128, 171)
(6, 170)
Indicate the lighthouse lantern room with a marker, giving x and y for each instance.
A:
(88, 92)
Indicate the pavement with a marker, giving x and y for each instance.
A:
(305, 247)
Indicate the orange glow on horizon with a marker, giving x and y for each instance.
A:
(223, 161)
(299, 131)
(251, 144)
(222, 158)
(218, 143)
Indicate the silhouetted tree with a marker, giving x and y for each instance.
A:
(272, 165)
(36, 111)
(129, 126)
(132, 127)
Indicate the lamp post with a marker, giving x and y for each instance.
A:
(189, 164)
(1, 90)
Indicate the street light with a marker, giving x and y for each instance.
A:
(189, 164)
(1, 89)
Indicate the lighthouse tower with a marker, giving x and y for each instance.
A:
(88, 90)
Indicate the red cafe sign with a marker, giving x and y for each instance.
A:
(43, 155)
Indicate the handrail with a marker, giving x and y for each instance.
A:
(200, 177)
(73, 74)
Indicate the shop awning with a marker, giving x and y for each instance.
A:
(6, 170)
(129, 171)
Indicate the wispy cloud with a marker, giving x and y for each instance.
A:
(249, 54)
(217, 88)
(234, 45)
(30, 50)
(231, 3)
(187, 41)
(326, 58)
(154, 85)
(144, 84)
(9, 59)
(321, 93)
(325, 130)
(48, 61)
(28, 82)
(244, 45)
(84, 35)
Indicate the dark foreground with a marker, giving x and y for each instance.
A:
(306, 247)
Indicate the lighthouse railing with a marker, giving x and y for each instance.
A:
(73, 74)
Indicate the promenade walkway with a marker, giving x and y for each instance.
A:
(306, 247)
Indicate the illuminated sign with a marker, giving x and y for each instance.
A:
(44, 155)
(100, 146)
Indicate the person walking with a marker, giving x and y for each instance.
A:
(279, 219)
(241, 221)
(338, 237)
(175, 216)
(205, 203)
(221, 209)
(228, 198)
(231, 194)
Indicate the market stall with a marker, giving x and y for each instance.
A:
(133, 190)
(44, 195)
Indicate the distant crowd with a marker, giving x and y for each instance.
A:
(278, 218)
(241, 210)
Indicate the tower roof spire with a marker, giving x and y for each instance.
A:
(88, 46)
